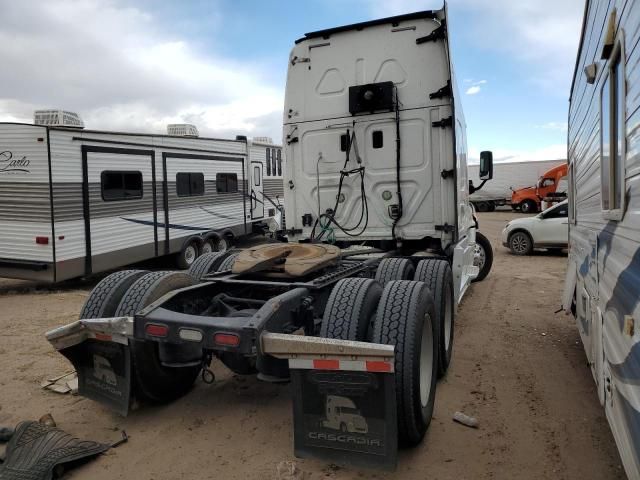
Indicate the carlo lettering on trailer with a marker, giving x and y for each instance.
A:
(11, 164)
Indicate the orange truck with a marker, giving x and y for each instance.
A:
(529, 199)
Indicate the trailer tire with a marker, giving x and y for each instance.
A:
(394, 269)
(153, 381)
(437, 275)
(528, 206)
(106, 295)
(406, 319)
(350, 309)
(188, 255)
(484, 248)
(205, 264)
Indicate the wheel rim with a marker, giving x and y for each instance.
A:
(206, 247)
(519, 243)
(448, 319)
(526, 208)
(426, 361)
(190, 254)
(480, 256)
(222, 245)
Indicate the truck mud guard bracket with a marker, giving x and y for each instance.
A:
(344, 400)
(99, 351)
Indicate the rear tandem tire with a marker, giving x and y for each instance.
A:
(350, 309)
(437, 275)
(406, 319)
(394, 269)
(188, 255)
(106, 295)
(205, 264)
(153, 381)
(227, 263)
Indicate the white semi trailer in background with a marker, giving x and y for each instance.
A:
(603, 276)
(376, 156)
(508, 176)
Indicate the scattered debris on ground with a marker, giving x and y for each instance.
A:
(465, 420)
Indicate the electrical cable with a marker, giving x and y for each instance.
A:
(399, 193)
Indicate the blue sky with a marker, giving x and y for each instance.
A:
(221, 64)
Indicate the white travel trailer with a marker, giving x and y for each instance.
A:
(603, 279)
(75, 202)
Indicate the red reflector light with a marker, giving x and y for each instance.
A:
(42, 240)
(227, 339)
(326, 364)
(373, 366)
(156, 330)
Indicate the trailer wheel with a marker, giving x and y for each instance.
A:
(406, 319)
(205, 264)
(106, 295)
(394, 269)
(350, 309)
(437, 275)
(185, 258)
(483, 256)
(215, 243)
(529, 206)
(153, 381)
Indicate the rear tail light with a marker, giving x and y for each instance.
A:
(227, 339)
(156, 330)
(42, 240)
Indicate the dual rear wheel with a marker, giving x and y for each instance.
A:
(403, 314)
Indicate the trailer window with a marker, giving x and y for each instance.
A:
(613, 138)
(268, 150)
(120, 185)
(189, 184)
(256, 176)
(227, 183)
(274, 162)
(279, 162)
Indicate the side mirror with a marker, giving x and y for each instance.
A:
(486, 165)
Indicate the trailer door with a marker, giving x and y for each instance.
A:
(120, 207)
(257, 199)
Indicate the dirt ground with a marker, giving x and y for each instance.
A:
(518, 367)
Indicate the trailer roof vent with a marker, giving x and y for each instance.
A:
(57, 118)
(268, 140)
(182, 130)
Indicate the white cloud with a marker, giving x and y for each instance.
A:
(557, 126)
(473, 90)
(119, 69)
(474, 86)
(550, 152)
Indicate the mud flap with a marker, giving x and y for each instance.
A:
(345, 417)
(344, 399)
(104, 372)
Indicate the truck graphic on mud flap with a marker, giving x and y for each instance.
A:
(102, 370)
(342, 414)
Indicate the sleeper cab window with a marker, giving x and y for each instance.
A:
(268, 150)
(120, 185)
(227, 183)
(377, 139)
(189, 184)
(613, 137)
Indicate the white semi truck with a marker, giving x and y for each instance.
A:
(376, 157)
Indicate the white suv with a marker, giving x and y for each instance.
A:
(549, 229)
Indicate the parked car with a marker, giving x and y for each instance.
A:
(549, 229)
